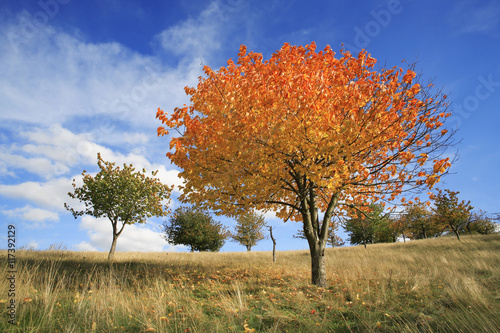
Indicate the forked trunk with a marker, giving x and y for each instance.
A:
(116, 233)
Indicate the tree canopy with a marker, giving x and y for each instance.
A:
(196, 229)
(124, 196)
(450, 213)
(249, 229)
(306, 132)
(369, 227)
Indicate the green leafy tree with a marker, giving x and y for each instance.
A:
(450, 213)
(124, 196)
(367, 225)
(195, 228)
(420, 222)
(480, 223)
(398, 226)
(249, 229)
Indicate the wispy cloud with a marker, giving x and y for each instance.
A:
(37, 216)
(64, 99)
(470, 17)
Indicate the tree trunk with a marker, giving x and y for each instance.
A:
(249, 247)
(113, 247)
(274, 252)
(456, 233)
(116, 233)
(318, 268)
(274, 244)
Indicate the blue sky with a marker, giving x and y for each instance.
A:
(81, 77)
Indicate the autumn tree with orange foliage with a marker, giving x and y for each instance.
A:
(306, 135)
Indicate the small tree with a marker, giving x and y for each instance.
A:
(274, 242)
(480, 223)
(419, 221)
(122, 195)
(362, 228)
(249, 229)
(195, 228)
(399, 226)
(450, 213)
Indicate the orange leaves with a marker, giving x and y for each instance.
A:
(409, 76)
(423, 158)
(433, 179)
(440, 166)
(257, 128)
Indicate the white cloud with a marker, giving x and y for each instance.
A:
(135, 238)
(57, 77)
(64, 99)
(29, 213)
(51, 194)
(195, 37)
(39, 166)
(33, 245)
(85, 246)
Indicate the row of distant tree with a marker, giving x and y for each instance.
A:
(448, 216)
(126, 196)
(196, 229)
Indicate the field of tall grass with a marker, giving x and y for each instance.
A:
(438, 285)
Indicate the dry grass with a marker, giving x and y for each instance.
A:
(437, 285)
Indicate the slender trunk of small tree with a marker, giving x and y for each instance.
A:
(274, 244)
(457, 234)
(113, 247)
(274, 252)
(116, 233)
(249, 247)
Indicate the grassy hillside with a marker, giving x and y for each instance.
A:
(438, 285)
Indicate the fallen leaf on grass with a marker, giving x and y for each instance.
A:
(248, 329)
